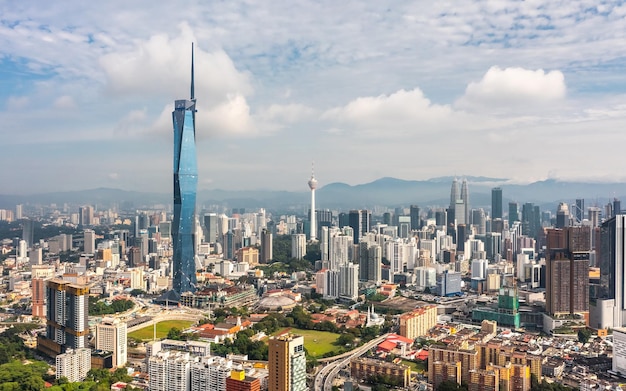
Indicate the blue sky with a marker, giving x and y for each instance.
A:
(525, 90)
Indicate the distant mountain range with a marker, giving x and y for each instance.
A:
(390, 192)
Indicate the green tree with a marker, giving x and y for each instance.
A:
(584, 335)
(175, 333)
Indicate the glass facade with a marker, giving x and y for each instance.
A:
(185, 186)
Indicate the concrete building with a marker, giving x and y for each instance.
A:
(448, 283)
(73, 364)
(238, 381)
(67, 314)
(89, 243)
(287, 364)
(370, 262)
(111, 336)
(210, 373)
(417, 322)
(363, 368)
(608, 309)
(349, 281)
(619, 350)
(169, 370)
(267, 253)
(38, 291)
(567, 271)
(298, 246)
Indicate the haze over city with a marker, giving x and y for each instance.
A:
(518, 90)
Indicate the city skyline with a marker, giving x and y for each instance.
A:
(514, 89)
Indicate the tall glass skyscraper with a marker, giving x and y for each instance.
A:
(185, 185)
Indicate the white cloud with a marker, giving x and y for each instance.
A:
(288, 113)
(514, 88)
(64, 102)
(17, 102)
(228, 119)
(403, 81)
(160, 66)
(401, 113)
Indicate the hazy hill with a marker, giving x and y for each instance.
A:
(381, 192)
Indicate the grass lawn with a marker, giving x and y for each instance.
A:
(317, 343)
(415, 367)
(162, 329)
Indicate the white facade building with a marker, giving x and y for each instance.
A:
(73, 364)
(169, 370)
(111, 336)
(210, 373)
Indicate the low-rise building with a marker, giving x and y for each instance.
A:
(364, 368)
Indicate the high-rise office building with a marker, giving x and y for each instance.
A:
(28, 232)
(287, 364)
(579, 210)
(567, 270)
(312, 213)
(185, 184)
(496, 203)
(513, 213)
(89, 243)
(111, 337)
(414, 212)
(19, 212)
(562, 216)
(85, 215)
(267, 253)
(608, 309)
(210, 227)
(531, 220)
(479, 220)
(370, 262)
(360, 221)
(67, 314)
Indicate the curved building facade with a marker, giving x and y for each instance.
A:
(185, 187)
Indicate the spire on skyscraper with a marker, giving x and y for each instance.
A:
(185, 187)
(313, 185)
(454, 193)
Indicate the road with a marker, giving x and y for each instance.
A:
(325, 377)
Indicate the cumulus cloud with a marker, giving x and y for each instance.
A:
(229, 118)
(160, 66)
(403, 111)
(514, 88)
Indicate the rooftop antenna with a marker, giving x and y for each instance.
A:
(192, 89)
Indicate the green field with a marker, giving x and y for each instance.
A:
(415, 367)
(162, 329)
(317, 343)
